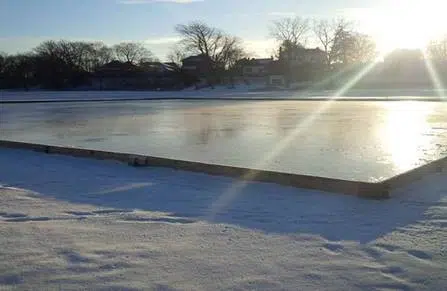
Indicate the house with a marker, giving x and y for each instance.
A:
(302, 65)
(161, 75)
(406, 68)
(118, 75)
(158, 67)
(303, 56)
(256, 67)
(198, 66)
(276, 77)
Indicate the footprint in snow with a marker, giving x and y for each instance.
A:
(419, 254)
(387, 247)
(333, 248)
(111, 211)
(393, 270)
(79, 213)
(98, 212)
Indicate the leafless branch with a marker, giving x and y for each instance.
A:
(294, 30)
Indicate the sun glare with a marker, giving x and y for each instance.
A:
(404, 134)
(405, 24)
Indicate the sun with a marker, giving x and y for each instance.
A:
(400, 30)
(409, 24)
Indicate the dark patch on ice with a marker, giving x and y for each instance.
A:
(82, 269)
(28, 219)
(13, 215)
(120, 134)
(10, 280)
(74, 257)
(114, 266)
(419, 254)
(313, 276)
(148, 254)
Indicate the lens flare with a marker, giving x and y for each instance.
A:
(230, 194)
(437, 82)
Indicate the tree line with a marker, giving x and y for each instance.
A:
(337, 38)
(64, 64)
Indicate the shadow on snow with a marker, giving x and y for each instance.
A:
(259, 206)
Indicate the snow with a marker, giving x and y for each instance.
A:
(74, 224)
(241, 92)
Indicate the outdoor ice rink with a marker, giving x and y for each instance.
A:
(71, 223)
(353, 140)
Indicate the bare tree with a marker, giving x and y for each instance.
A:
(364, 48)
(3, 61)
(351, 47)
(100, 54)
(199, 38)
(132, 52)
(231, 51)
(86, 56)
(18, 69)
(47, 49)
(176, 55)
(75, 54)
(293, 30)
(330, 34)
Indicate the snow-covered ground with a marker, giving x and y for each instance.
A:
(240, 92)
(76, 224)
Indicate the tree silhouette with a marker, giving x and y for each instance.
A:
(132, 52)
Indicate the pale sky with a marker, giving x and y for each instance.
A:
(26, 23)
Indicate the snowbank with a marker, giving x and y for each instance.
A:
(70, 224)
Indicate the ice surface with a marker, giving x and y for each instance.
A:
(352, 140)
(69, 224)
(240, 92)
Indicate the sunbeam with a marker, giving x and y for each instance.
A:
(226, 198)
(437, 82)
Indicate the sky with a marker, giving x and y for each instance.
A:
(26, 23)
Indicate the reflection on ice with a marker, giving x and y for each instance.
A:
(354, 140)
(405, 133)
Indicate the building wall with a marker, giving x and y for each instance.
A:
(312, 58)
(254, 70)
(197, 66)
(276, 80)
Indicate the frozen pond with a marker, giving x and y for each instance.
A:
(354, 140)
